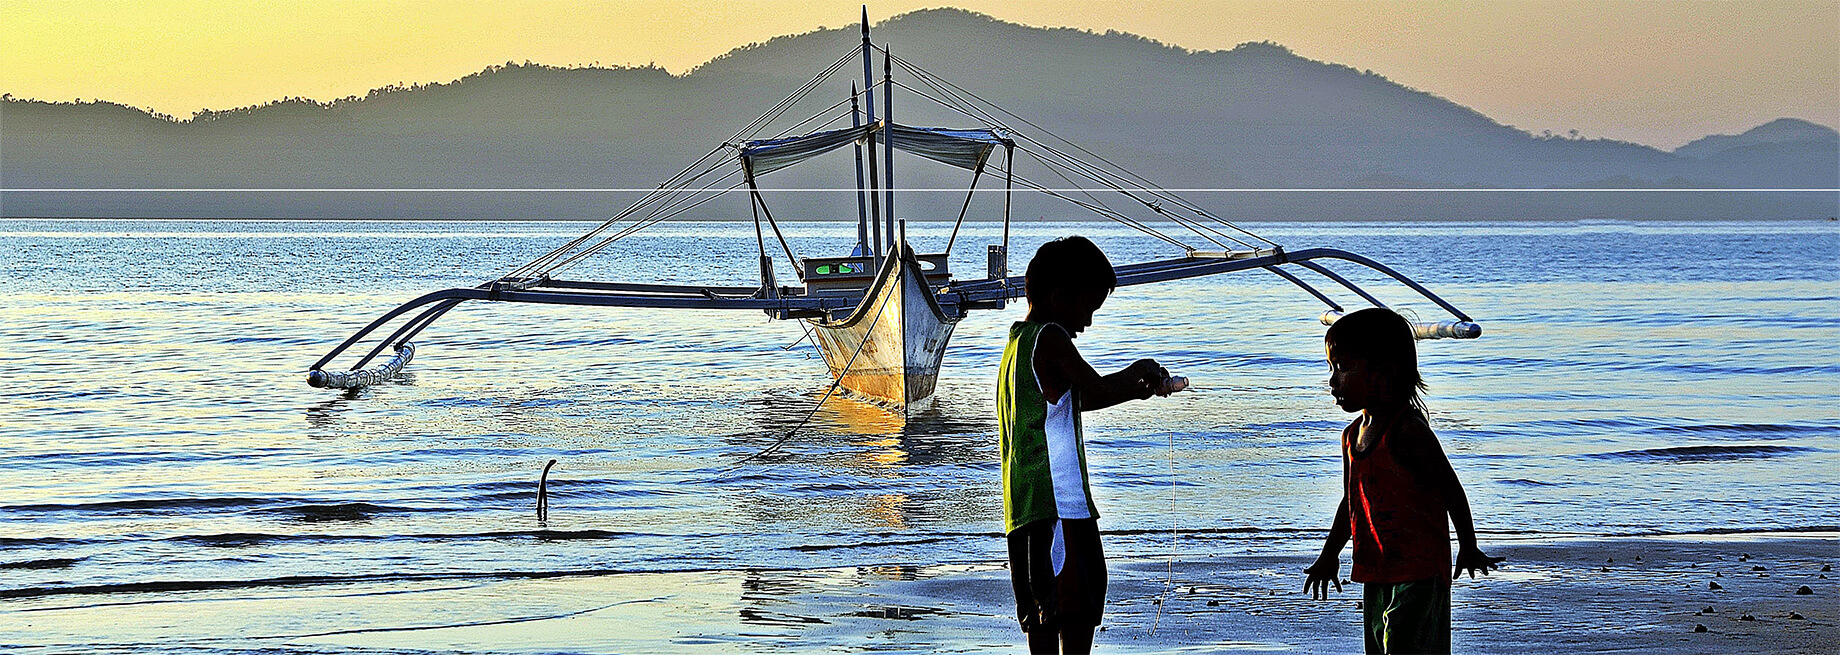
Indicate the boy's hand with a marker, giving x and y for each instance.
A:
(1147, 369)
(1147, 374)
(1324, 572)
(1472, 559)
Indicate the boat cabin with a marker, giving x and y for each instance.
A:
(851, 276)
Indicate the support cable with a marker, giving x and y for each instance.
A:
(774, 112)
(1090, 171)
(1101, 209)
(919, 72)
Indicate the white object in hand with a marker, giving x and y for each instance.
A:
(1171, 385)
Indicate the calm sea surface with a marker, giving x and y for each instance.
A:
(156, 427)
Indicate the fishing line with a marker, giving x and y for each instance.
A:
(1169, 575)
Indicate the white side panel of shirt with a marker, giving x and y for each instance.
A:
(1064, 452)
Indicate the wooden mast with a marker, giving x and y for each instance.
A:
(888, 146)
(875, 219)
(862, 197)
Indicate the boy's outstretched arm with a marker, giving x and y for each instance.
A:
(1423, 457)
(1328, 567)
(1060, 368)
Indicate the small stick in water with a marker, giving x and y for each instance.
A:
(543, 493)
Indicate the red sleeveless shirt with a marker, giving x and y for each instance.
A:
(1398, 523)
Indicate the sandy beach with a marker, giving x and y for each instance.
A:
(1572, 595)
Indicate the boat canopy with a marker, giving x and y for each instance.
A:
(965, 148)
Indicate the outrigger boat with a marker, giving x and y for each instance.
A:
(882, 315)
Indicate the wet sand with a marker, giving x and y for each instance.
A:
(1574, 595)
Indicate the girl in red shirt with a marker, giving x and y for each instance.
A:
(1397, 490)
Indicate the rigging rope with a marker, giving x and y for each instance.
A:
(1089, 171)
(922, 74)
(675, 196)
(847, 365)
(663, 190)
(783, 105)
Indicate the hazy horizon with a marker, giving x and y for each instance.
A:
(1656, 73)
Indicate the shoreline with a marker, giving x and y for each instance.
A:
(1555, 594)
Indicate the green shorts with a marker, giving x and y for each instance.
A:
(1407, 617)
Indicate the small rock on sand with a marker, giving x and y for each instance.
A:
(1713, 585)
(1758, 568)
(1827, 568)
(1797, 616)
(1747, 617)
(1804, 591)
(1213, 603)
(1699, 627)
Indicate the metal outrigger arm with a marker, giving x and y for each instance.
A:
(1199, 264)
(792, 302)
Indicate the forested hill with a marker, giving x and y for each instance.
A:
(1257, 115)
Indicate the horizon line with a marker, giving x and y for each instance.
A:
(924, 189)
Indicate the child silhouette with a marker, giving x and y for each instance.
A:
(1057, 567)
(1397, 490)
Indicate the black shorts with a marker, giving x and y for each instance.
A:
(1073, 596)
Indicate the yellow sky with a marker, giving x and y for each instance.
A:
(1660, 72)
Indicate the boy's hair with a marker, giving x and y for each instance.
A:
(1068, 264)
(1383, 339)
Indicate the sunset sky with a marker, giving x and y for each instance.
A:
(1655, 72)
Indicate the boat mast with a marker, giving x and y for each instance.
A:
(875, 212)
(862, 197)
(888, 143)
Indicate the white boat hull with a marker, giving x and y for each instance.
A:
(901, 332)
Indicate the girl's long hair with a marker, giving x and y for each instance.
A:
(1383, 339)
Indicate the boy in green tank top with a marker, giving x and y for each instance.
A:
(1056, 565)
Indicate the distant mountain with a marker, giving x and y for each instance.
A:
(1256, 116)
(1781, 131)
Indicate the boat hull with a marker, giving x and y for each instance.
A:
(901, 333)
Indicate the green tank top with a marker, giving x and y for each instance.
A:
(1037, 448)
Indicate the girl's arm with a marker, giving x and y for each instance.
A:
(1059, 367)
(1419, 453)
(1328, 567)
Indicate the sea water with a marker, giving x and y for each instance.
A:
(157, 432)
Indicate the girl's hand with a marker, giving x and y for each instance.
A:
(1472, 559)
(1326, 571)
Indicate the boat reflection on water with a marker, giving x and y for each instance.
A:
(857, 466)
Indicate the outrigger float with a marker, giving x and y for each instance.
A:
(881, 316)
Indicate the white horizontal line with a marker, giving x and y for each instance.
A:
(903, 190)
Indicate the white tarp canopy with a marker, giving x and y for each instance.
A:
(965, 148)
